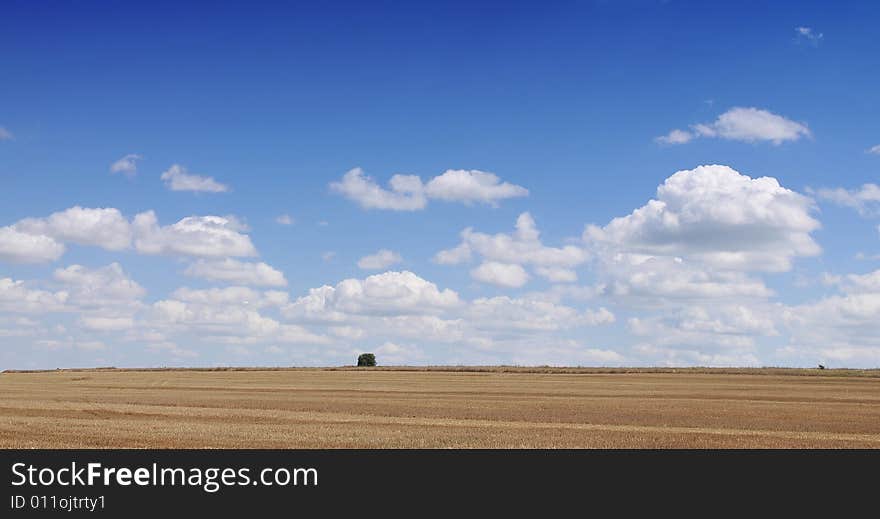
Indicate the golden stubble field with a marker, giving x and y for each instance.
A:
(489, 408)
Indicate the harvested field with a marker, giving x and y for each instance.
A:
(461, 407)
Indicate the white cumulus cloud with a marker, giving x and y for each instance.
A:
(410, 193)
(502, 274)
(382, 259)
(405, 193)
(20, 247)
(865, 200)
(505, 254)
(208, 236)
(469, 186)
(742, 124)
(99, 227)
(177, 178)
(240, 272)
(715, 215)
(389, 293)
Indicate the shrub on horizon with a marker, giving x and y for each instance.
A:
(366, 359)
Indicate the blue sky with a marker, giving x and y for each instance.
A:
(564, 112)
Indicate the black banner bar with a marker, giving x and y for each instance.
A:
(234, 482)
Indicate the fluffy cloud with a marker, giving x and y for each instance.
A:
(722, 335)
(105, 299)
(504, 254)
(178, 179)
(230, 315)
(844, 328)
(284, 219)
(557, 274)
(106, 286)
(505, 313)
(16, 297)
(676, 137)
(502, 274)
(37, 240)
(400, 307)
(409, 193)
(469, 186)
(242, 296)
(213, 320)
(239, 272)
(657, 279)
(742, 124)
(5, 135)
(100, 227)
(389, 293)
(405, 193)
(208, 236)
(20, 247)
(127, 165)
(874, 150)
(717, 216)
(865, 200)
(381, 260)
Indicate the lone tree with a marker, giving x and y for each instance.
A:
(366, 359)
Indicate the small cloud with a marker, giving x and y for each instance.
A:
(742, 124)
(178, 179)
(6, 135)
(380, 260)
(410, 193)
(873, 150)
(285, 219)
(501, 274)
(328, 256)
(323, 223)
(675, 137)
(865, 200)
(808, 35)
(127, 165)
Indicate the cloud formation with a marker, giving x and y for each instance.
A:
(843, 328)
(742, 124)
(409, 193)
(41, 240)
(127, 165)
(505, 254)
(382, 259)
(865, 200)
(388, 293)
(508, 275)
(229, 270)
(205, 236)
(177, 178)
(720, 217)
